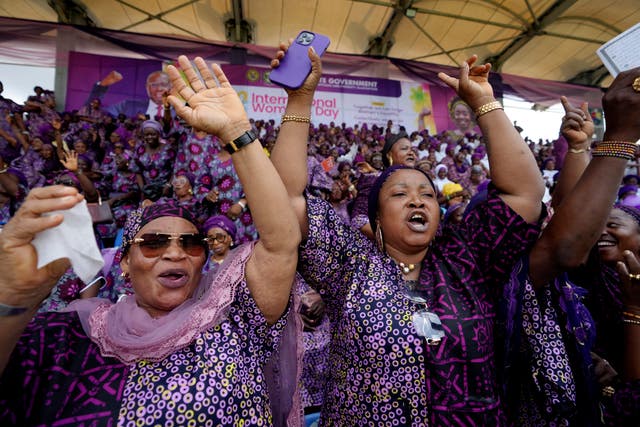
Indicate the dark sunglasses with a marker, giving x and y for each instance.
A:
(153, 245)
(218, 237)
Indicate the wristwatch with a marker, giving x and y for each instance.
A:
(243, 140)
(7, 310)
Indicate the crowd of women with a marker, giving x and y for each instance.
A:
(392, 283)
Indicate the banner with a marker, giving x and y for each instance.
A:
(339, 98)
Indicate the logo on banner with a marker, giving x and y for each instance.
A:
(328, 164)
(253, 75)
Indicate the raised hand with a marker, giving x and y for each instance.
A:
(111, 78)
(621, 106)
(308, 88)
(473, 84)
(212, 106)
(577, 126)
(70, 161)
(629, 273)
(23, 284)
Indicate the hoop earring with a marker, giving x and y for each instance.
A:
(379, 238)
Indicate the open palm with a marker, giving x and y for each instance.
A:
(212, 106)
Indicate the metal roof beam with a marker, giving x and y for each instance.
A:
(238, 29)
(70, 12)
(468, 18)
(381, 44)
(591, 77)
(159, 15)
(159, 18)
(533, 29)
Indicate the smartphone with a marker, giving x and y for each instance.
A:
(296, 65)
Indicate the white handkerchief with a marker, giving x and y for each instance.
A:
(73, 239)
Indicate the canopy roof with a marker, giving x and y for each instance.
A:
(546, 39)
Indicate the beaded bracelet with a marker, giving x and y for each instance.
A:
(632, 315)
(294, 118)
(632, 321)
(620, 149)
(487, 108)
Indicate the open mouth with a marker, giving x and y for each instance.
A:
(418, 222)
(605, 243)
(417, 219)
(175, 278)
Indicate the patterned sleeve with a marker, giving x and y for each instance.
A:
(330, 248)
(497, 236)
(261, 337)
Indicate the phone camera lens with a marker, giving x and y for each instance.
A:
(305, 38)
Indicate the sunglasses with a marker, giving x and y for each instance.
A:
(153, 245)
(218, 237)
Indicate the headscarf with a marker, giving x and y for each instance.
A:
(633, 212)
(222, 222)
(390, 140)
(153, 125)
(451, 188)
(374, 194)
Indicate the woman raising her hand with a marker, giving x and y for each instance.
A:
(413, 313)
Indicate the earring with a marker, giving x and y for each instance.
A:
(124, 275)
(379, 239)
(390, 158)
(191, 191)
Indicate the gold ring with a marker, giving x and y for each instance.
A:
(636, 84)
(634, 276)
(608, 391)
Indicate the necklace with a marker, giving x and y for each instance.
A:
(406, 268)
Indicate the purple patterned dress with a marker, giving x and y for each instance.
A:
(604, 301)
(225, 179)
(155, 167)
(56, 376)
(381, 371)
(194, 157)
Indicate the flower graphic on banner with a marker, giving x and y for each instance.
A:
(422, 104)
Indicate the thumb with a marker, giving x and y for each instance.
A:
(585, 109)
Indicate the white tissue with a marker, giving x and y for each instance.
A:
(73, 239)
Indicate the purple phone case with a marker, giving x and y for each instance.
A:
(296, 65)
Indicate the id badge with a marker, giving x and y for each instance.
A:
(429, 326)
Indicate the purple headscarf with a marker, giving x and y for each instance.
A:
(631, 211)
(374, 194)
(153, 125)
(221, 221)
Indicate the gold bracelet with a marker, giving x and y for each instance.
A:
(581, 150)
(620, 149)
(487, 108)
(632, 315)
(632, 321)
(294, 118)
